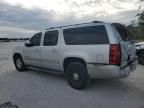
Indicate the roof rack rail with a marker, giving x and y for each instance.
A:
(97, 21)
(66, 26)
(74, 24)
(50, 28)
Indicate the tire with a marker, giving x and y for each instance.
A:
(19, 64)
(77, 75)
(141, 57)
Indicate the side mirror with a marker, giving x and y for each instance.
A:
(28, 44)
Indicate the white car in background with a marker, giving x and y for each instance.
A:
(140, 52)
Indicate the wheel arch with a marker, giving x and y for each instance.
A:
(68, 60)
(16, 54)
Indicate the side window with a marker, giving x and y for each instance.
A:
(86, 35)
(123, 32)
(51, 38)
(125, 35)
(35, 40)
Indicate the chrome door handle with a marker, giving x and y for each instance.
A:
(129, 46)
(54, 50)
(36, 50)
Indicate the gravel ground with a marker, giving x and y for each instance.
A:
(38, 89)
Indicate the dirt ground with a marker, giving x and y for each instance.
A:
(37, 89)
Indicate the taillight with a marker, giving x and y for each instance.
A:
(115, 53)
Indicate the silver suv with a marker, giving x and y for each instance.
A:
(81, 51)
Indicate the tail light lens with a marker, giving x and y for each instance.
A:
(115, 53)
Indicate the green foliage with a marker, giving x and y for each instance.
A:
(137, 31)
(141, 23)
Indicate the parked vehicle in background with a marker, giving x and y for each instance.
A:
(140, 52)
(81, 51)
(4, 40)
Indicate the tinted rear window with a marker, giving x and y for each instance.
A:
(86, 35)
(124, 33)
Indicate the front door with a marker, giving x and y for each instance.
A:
(32, 53)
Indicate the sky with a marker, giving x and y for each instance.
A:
(22, 18)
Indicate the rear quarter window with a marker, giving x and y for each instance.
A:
(123, 32)
(86, 35)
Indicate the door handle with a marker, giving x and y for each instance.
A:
(54, 50)
(129, 46)
(36, 50)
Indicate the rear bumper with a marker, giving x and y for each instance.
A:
(110, 71)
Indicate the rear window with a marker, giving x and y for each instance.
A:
(124, 33)
(86, 35)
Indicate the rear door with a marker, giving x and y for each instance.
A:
(128, 48)
(50, 50)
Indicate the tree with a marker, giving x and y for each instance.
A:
(141, 21)
(134, 29)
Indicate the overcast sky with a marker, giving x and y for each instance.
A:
(21, 18)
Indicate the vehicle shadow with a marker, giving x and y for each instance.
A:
(99, 84)
(108, 85)
(33, 84)
(115, 86)
(39, 78)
